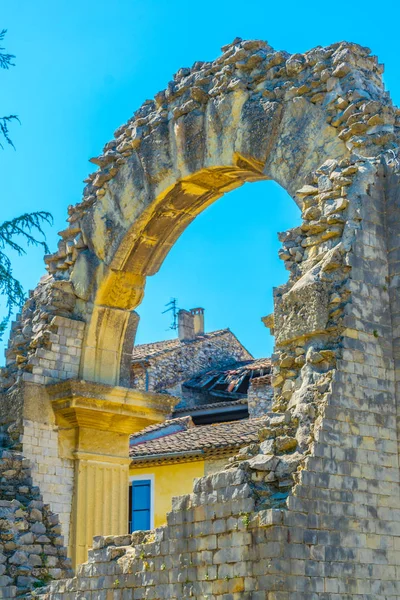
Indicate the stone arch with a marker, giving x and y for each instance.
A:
(321, 125)
(253, 113)
(180, 153)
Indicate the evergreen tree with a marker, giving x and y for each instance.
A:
(5, 63)
(25, 228)
(22, 227)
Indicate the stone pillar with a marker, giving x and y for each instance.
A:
(95, 422)
(100, 500)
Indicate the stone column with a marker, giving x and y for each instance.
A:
(95, 422)
(100, 500)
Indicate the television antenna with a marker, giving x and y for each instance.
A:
(172, 307)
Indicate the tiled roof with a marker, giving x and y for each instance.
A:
(204, 439)
(232, 381)
(146, 351)
(182, 422)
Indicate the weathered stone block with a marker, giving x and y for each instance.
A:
(302, 311)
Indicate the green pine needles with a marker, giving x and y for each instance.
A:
(5, 63)
(26, 228)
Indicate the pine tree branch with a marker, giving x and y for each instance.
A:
(4, 121)
(27, 227)
(12, 289)
(5, 58)
(6, 63)
(24, 226)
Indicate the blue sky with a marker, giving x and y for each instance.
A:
(84, 66)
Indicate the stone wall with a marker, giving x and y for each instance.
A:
(168, 370)
(335, 539)
(213, 465)
(52, 474)
(336, 536)
(32, 551)
(54, 343)
(260, 396)
(44, 346)
(26, 411)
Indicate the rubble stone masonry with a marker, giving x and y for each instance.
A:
(311, 511)
(260, 396)
(32, 550)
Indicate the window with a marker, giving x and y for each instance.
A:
(141, 503)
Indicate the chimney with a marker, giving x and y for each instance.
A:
(198, 320)
(190, 323)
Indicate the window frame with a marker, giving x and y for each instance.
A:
(145, 477)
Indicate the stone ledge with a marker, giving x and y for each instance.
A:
(105, 407)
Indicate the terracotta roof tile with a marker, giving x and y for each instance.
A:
(146, 351)
(203, 438)
(183, 422)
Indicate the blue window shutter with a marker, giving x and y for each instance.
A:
(141, 505)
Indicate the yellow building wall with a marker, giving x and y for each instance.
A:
(169, 480)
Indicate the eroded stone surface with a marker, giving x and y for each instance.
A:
(32, 551)
(312, 510)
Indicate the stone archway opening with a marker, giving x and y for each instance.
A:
(141, 253)
(226, 260)
(146, 245)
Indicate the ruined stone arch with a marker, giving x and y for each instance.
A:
(252, 114)
(321, 125)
